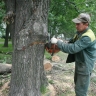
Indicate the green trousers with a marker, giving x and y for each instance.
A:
(81, 84)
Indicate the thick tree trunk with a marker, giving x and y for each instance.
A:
(29, 40)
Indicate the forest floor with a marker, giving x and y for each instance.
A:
(60, 78)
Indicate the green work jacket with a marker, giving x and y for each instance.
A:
(84, 49)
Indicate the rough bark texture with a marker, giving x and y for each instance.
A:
(29, 40)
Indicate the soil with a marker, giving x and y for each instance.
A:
(60, 78)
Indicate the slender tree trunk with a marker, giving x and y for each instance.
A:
(6, 36)
(10, 20)
(28, 75)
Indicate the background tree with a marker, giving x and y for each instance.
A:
(9, 20)
(30, 33)
(5, 26)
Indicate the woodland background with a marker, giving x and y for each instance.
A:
(60, 15)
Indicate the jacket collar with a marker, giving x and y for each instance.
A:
(80, 33)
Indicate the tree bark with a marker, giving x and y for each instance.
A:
(30, 35)
(6, 36)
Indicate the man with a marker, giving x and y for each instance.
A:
(84, 49)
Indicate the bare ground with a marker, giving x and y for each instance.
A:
(62, 77)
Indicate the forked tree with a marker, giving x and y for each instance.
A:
(28, 21)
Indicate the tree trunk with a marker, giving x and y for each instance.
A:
(30, 30)
(6, 36)
(10, 20)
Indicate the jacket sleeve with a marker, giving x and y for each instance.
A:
(75, 47)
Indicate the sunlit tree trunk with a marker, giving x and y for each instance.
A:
(30, 34)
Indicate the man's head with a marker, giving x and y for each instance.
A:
(82, 21)
(82, 18)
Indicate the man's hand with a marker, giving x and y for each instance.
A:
(54, 40)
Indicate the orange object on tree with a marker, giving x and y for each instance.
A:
(51, 48)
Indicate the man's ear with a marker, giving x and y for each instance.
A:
(86, 24)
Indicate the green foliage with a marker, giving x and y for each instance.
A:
(2, 13)
(2, 10)
(62, 12)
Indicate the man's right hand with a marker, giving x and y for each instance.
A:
(54, 40)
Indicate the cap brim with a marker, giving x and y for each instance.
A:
(76, 20)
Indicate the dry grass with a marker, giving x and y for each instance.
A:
(64, 79)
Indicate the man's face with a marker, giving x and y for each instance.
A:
(81, 26)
